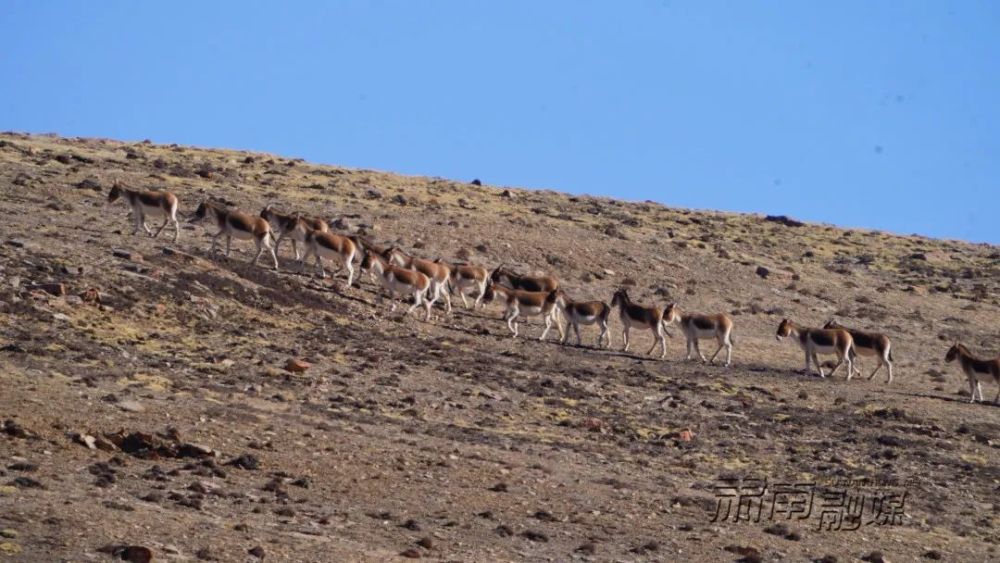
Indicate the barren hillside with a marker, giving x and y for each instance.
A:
(148, 404)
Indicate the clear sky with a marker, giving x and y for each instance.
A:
(882, 114)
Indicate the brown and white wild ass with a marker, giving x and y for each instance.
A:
(519, 302)
(976, 370)
(236, 224)
(815, 341)
(324, 244)
(696, 327)
(294, 226)
(466, 277)
(398, 280)
(437, 272)
(869, 344)
(640, 316)
(503, 276)
(579, 313)
(148, 204)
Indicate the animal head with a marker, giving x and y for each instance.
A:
(784, 329)
(953, 352)
(267, 213)
(620, 297)
(115, 193)
(672, 313)
(832, 324)
(200, 213)
(498, 274)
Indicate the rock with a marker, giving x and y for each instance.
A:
(411, 553)
(499, 488)
(535, 536)
(56, 289)
(506, 194)
(9, 533)
(749, 554)
(762, 272)
(126, 254)
(27, 483)
(91, 296)
(206, 554)
(256, 551)
(784, 220)
(685, 435)
(131, 406)
(587, 549)
(411, 524)
(85, 440)
(648, 547)
(875, 557)
(399, 199)
(89, 184)
(426, 543)
(933, 555)
(16, 243)
(297, 366)
(372, 193)
(249, 462)
(477, 182)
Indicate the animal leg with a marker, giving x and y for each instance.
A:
(163, 226)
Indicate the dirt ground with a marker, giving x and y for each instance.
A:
(156, 411)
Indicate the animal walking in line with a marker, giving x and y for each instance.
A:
(466, 277)
(148, 204)
(236, 224)
(398, 280)
(815, 341)
(436, 272)
(579, 313)
(295, 227)
(324, 244)
(502, 276)
(519, 302)
(869, 344)
(696, 327)
(976, 370)
(640, 316)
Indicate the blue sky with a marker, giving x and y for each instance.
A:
(871, 113)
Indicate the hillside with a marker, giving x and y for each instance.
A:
(449, 440)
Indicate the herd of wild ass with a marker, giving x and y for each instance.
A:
(427, 281)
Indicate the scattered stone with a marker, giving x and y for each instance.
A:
(126, 254)
(372, 193)
(499, 488)
(27, 483)
(257, 551)
(588, 548)
(875, 557)
(477, 182)
(685, 435)
(9, 533)
(506, 194)
(130, 553)
(411, 553)
(784, 220)
(131, 406)
(85, 440)
(297, 366)
(399, 199)
(749, 554)
(206, 554)
(504, 531)
(762, 272)
(411, 524)
(89, 184)
(933, 555)
(249, 462)
(426, 543)
(56, 289)
(23, 466)
(648, 547)
(535, 536)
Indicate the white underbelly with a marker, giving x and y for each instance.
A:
(241, 235)
(151, 211)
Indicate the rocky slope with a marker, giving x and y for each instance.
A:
(146, 402)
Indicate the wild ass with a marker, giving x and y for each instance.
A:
(236, 224)
(399, 280)
(976, 370)
(639, 316)
(324, 244)
(821, 341)
(579, 313)
(437, 273)
(869, 344)
(294, 226)
(502, 276)
(518, 302)
(465, 277)
(696, 327)
(148, 204)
